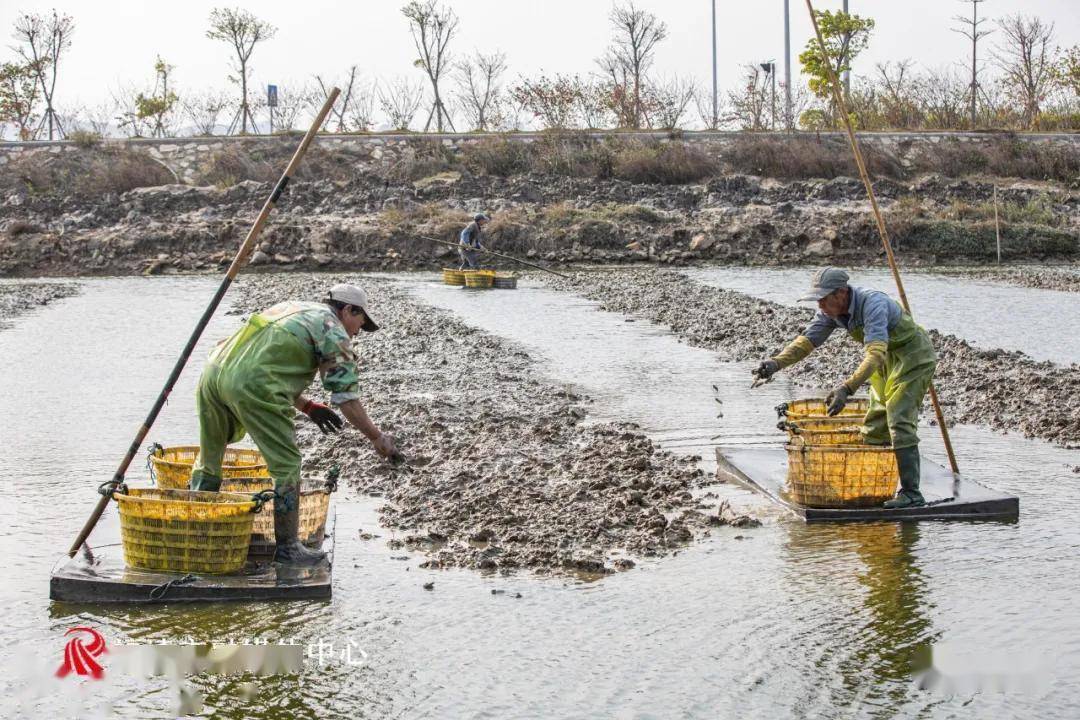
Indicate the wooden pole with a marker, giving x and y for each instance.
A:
(997, 225)
(238, 262)
(507, 257)
(841, 107)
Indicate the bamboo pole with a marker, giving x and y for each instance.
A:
(238, 262)
(492, 252)
(997, 225)
(841, 105)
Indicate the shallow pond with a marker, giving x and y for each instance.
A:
(790, 620)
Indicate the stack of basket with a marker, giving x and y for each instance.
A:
(453, 277)
(244, 471)
(829, 465)
(506, 281)
(477, 279)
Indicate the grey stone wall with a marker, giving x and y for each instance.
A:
(183, 156)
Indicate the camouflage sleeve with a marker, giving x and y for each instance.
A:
(337, 363)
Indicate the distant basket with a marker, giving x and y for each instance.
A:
(314, 505)
(170, 467)
(839, 476)
(453, 277)
(815, 407)
(839, 430)
(479, 278)
(185, 531)
(505, 281)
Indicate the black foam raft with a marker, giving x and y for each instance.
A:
(100, 576)
(948, 496)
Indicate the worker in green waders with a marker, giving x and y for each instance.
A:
(254, 382)
(899, 362)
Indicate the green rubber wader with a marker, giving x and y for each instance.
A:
(248, 386)
(897, 389)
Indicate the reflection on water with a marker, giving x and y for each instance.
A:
(986, 314)
(789, 620)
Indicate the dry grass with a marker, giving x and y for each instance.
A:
(90, 173)
(1004, 156)
(800, 158)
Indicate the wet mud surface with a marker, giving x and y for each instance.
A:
(1006, 390)
(19, 298)
(504, 470)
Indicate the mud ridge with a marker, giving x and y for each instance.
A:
(503, 473)
(19, 298)
(1006, 390)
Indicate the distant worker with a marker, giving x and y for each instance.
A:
(254, 382)
(470, 242)
(899, 361)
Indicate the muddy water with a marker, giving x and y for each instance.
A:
(791, 620)
(987, 314)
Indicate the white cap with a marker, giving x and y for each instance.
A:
(354, 295)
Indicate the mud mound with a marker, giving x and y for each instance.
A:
(19, 298)
(503, 473)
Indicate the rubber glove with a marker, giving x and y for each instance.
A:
(766, 369)
(327, 420)
(837, 399)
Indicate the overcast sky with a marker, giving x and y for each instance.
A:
(116, 41)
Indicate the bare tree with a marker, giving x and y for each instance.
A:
(668, 100)
(594, 104)
(750, 103)
(432, 28)
(704, 109)
(243, 31)
(128, 119)
(42, 42)
(943, 97)
(292, 100)
(970, 28)
(898, 108)
(339, 110)
(1026, 58)
(361, 108)
(479, 90)
(204, 110)
(627, 60)
(400, 100)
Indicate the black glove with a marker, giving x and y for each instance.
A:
(837, 399)
(327, 420)
(766, 369)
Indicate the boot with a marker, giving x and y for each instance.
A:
(290, 550)
(907, 460)
(204, 481)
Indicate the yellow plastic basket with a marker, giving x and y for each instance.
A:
(314, 505)
(185, 531)
(815, 407)
(505, 281)
(838, 430)
(479, 278)
(170, 467)
(453, 277)
(839, 476)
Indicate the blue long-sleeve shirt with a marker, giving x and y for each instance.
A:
(872, 310)
(470, 236)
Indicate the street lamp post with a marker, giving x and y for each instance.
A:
(790, 121)
(715, 110)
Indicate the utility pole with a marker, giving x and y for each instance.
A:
(770, 70)
(790, 121)
(715, 109)
(970, 29)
